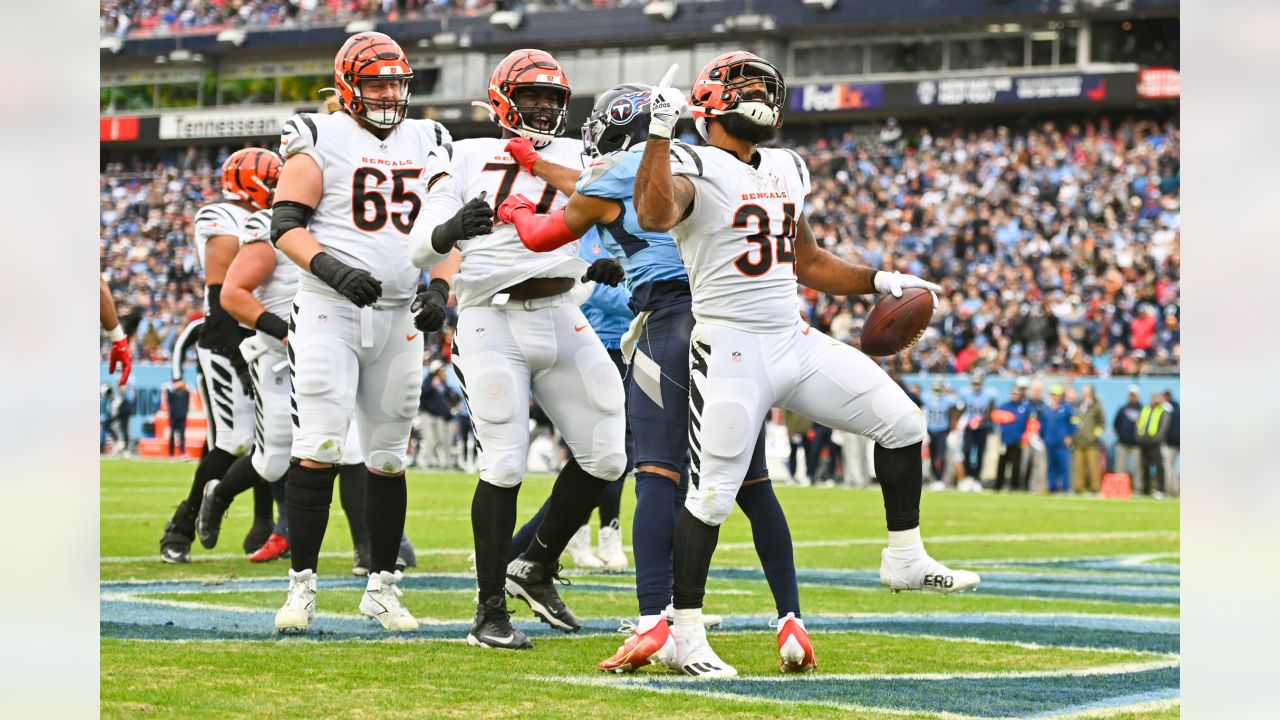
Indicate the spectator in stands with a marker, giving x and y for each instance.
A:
(177, 399)
(797, 428)
(1012, 428)
(1035, 463)
(978, 403)
(1057, 425)
(1172, 440)
(121, 411)
(435, 410)
(1125, 423)
(937, 412)
(1086, 443)
(1153, 427)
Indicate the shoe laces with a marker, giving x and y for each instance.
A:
(627, 627)
(557, 577)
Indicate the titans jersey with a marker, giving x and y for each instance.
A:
(276, 294)
(373, 192)
(497, 260)
(608, 309)
(646, 256)
(737, 241)
(212, 220)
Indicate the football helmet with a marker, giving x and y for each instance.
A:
(618, 121)
(372, 56)
(528, 68)
(719, 88)
(250, 175)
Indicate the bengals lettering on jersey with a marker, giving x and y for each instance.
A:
(373, 193)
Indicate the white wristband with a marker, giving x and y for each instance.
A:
(659, 129)
(115, 334)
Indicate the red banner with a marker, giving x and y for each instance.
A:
(1159, 82)
(118, 129)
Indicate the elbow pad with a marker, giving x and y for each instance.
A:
(288, 215)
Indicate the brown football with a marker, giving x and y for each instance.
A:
(896, 323)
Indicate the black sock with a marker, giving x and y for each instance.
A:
(262, 501)
(772, 537)
(611, 502)
(351, 493)
(213, 465)
(308, 499)
(493, 517)
(239, 477)
(900, 477)
(694, 544)
(386, 498)
(524, 535)
(278, 494)
(573, 497)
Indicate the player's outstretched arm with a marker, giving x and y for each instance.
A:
(252, 266)
(561, 178)
(543, 233)
(661, 200)
(120, 354)
(822, 271)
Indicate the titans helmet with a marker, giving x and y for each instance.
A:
(618, 121)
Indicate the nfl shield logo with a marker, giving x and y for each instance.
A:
(737, 356)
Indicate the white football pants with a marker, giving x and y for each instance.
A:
(228, 408)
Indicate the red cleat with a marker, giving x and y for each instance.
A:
(794, 646)
(640, 649)
(275, 546)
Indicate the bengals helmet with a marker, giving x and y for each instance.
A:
(528, 68)
(718, 90)
(250, 175)
(372, 56)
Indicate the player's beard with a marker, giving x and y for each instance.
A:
(743, 129)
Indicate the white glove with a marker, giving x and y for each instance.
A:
(895, 282)
(665, 106)
(252, 348)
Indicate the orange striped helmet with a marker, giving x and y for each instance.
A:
(372, 56)
(522, 69)
(250, 175)
(718, 90)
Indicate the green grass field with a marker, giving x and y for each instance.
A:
(1077, 615)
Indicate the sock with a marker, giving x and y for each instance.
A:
(611, 502)
(261, 500)
(772, 539)
(648, 622)
(213, 465)
(573, 497)
(688, 616)
(351, 493)
(386, 501)
(651, 529)
(307, 501)
(493, 517)
(239, 477)
(694, 544)
(524, 535)
(282, 518)
(898, 471)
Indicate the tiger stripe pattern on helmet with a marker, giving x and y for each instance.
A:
(372, 56)
(250, 175)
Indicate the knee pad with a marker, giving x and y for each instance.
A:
(903, 421)
(491, 388)
(387, 462)
(270, 467)
(710, 504)
(600, 379)
(726, 425)
(503, 472)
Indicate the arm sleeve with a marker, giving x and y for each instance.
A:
(443, 202)
(542, 233)
(300, 135)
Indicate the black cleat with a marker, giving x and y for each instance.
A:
(209, 518)
(175, 545)
(492, 628)
(534, 584)
(258, 534)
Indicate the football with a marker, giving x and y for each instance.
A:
(896, 323)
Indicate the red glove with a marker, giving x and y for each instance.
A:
(120, 354)
(522, 151)
(506, 211)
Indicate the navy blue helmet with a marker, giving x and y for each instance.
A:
(618, 121)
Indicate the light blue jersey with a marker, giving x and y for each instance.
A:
(647, 257)
(609, 308)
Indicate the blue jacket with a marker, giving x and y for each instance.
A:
(1126, 423)
(937, 411)
(1011, 433)
(609, 308)
(1057, 424)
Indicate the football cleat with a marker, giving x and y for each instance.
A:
(360, 565)
(579, 549)
(300, 606)
(694, 655)
(258, 534)
(708, 620)
(209, 517)
(923, 573)
(611, 554)
(640, 649)
(492, 627)
(405, 557)
(175, 544)
(276, 546)
(793, 645)
(533, 583)
(382, 603)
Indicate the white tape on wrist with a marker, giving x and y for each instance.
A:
(115, 334)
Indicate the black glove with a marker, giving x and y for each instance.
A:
(242, 371)
(605, 271)
(474, 218)
(428, 306)
(354, 284)
(220, 332)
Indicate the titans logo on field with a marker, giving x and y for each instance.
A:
(626, 106)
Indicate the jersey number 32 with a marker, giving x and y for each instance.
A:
(369, 205)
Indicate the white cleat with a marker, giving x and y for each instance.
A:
(611, 555)
(708, 620)
(694, 655)
(382, 603)
(300, 606)
(922, 572)
(579, 549)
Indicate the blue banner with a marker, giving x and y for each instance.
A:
(146, 384)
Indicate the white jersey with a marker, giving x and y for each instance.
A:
(498, 260)
(212, 220)
(738, 241)
(373, 192)
(276, 294)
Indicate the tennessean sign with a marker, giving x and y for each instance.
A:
(223, 123)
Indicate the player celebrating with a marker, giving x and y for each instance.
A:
(519, 330)
(247, 179)
(120, 355)
(658, 390)
(347, 199)
(733, 209)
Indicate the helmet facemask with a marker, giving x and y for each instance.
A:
(539, 123)
(382, 113)
(754, 92)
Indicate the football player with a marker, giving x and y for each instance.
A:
(658, 387)
(519, 329)
(247, 179)
(735, 210)
(349, 194)
(120, 354)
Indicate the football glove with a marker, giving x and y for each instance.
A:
(474, 218)
(665, 106)
(120, 355)
(895, 282)
(522, 151)
(605, 271)
(428, 306)
(506, 211)
(354, 284)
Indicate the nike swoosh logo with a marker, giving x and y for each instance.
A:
(580, 328)
(805, 331)
(411, 337)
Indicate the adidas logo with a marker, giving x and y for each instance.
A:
(942, 581)
(700, 668)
